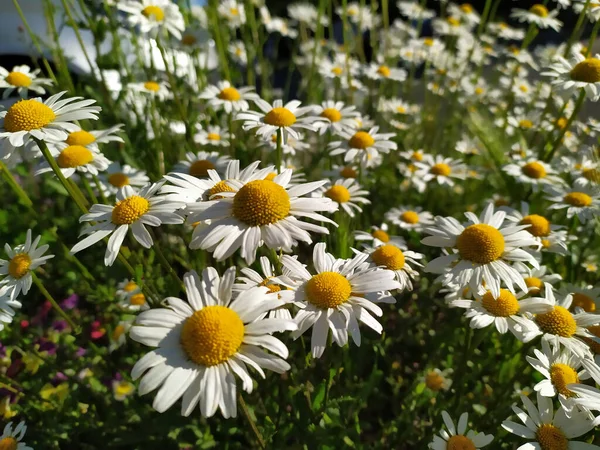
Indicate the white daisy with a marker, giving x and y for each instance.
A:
(481, 252)
(412, 218)
(346, 193)
(233, 12)
(258, 211)
(396, 259)
(337, 297)
(586, 298)
(152, 89)
(578, 73)
(94, 137)
(131, 298)
(539, 15)
(455, 437)
(377, 71)
(533, 172)
(440, 169)
(203, 343)
(74, 158)
(23, 259)
(379, 236)
(580, 200)
(11, 439)
(122, 389)
(118, 336)
(132, 210)
(437, 380)
(224, 96)
(116, 176)
(152, 16)
(198, 164)
(213, 135)
(363, 145)
(22, 79)
(340, 118)
(536, 278)
(7, 306)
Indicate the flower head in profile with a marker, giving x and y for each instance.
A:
(580, 72)
(131, 298)
(198, 164)
(11, 439)
(539, 15)
(227, 97)
(340, 118)
(378, 236)
(347, 194)
(153, 16)
(117, 176)
(23, 259)
(22, 79)
(363, 146)
(457, 437)
(412, 218)
(74, 158)
(202, 345)
(581, 200)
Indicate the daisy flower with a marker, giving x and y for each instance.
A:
(306, 13)
(398, 260)
(132, 210)
(377, 71)
(22, 79)
(465, 12)
(412, 218)
(74, 158)
(560, 369)
(379, 236)
(339, 171)
(153, 89)
(545, 428)
(258, 211)
(122, 389)
(224, 96)
(252, 279)
(536, 279)
(586, 298)
(11, 439)
(237, 51)
(337, 296)
(440, 169)
(539, 15)
(7, 306)
(437, 380)
(233, 12)
(456, 438)
(94, 137)
(287, 118)
(49, 120)
(359, 15)
(198, 164)
(131, 298)
(152, 16)
(363, 145)
(340, 118)
(202, 344)
(118, 337)
(117, 176)
(580, 200)
(576, 74)
(23, 259)
(346, 194)
(533, 172)
(481, 252)
(213, 135)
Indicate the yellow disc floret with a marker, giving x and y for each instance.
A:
(213, 137)
(130, 286)
(389, 256)
(18, 79)
(539, 10)
(551, 437)
(19, 265)
(152, 86)
(587, 71)
(9, 443)
(332, 114)
(538, 225)
(261, 202)
(434, 381)
(80, 137)
(480, 243)
(328, 290)
(221, 186)
(118, 179)
(534, 285)
(361, 140)
(381, 235)
(130, 210)
(229, 94)
(584, 302)
(138, 299)
(384, 71)
(460, 442)
(212, 335)
(338, 193)
(441, 169)
(201, 167)
(504, 306)
(74, 156)
(559, 322)
(154, 13)
(280, 117)
(579, 199)
(411, 217)
(348, 172)
(534, 170)
(561, 375)
(27, 115)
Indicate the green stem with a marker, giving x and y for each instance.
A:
(163, 259)
(76, 329)
(246, 412)
(575, 32)
(564, 130)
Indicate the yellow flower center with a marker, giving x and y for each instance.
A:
(525, 123)
(27, 115)
(551, 438)
(213, 137)
(534, 285)
(221, 186)
(524, 88)
(417, 156)
(578, 199)
(479, 90)
(280, 117)
(338, 193)
(188, 39)
(587, 71)
(138, 299)
(337, 71)
(594, 346)
(428, 42)
(229, 94)
(534, 170)
(401, 110)
(201, 167)
(18, 79)
(381, 235)
(592, 175)
(328, 290)
(130, 210)
(441, 169)
(559, 322)
(18, 266)
(361, 140)
(8, 443)
(123, 388)
(80, 137)
(409, 217)
(538, 225)
(504, 306)
(74, 156)
(212, 335)
(460, 442)
(389, 256)
(480, 243)
(539, 10)
(118, 332)
(234, 11)
(118, 179)
(453, 21)
(348, 172)
(583, 301)
(261, 202)
(561, 375)
(152, 86)
(153, 13)
(131, 286)
(561, 122)
(466, 8)
(384, 71)
(332, 114)
(434, 381)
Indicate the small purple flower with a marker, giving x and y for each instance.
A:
(70, 302)
(80, 352)
(60, 325)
